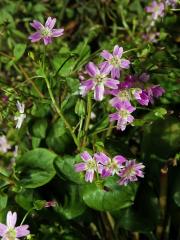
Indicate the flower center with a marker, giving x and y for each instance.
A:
(115, 61)
(124, 95)
(91, 165)
(100, 78)
(46, 32)
(129, 172)
(123, 113)
(10, 234)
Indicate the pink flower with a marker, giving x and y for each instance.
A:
(47, 32)
(123, 115)
(157, 9)
(98, 80)
(115, 61)
(89, 165)
(109, 167)
(9, 231)
(4, 145)
(130, 172)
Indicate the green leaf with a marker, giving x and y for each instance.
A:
(111, 197)
(161, 138)
(65, 166)
(19, 50)
(3, 200)
(160, 112)
(73, 203)
(36, 168)
(39, 128)
(25, 199)
(177, 198)
(59, 138)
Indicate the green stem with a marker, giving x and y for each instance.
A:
(25, 216)
(58, 110)
(88, 118)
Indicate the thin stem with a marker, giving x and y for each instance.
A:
(58, 110)
(88, 118)
(25, 216)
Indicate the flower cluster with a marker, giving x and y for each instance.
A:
(101, 164)
(9, 231)
(104, 80)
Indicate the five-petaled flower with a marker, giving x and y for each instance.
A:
(89, 165)
(115, 61)
(98, 80)
(21, 116)
(47, 32)
(123, 115)
(109, 167)
(130, 172)
(157, 9)
(9, 231)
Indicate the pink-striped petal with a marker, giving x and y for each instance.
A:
(89, 176)
(106, 55)
(115, 73)
(102, 158)
(11, 219)
(99, 92)
(105, 68)
(114, 117)
(36, 24)
(22, 231)
(47, 40)
(92, 69)
(85, 156)
(79, 167)
(3, 229)
(50, 22)
(118, 51)
(120, 159)
(35, 37)
(125, 63)
(111, 83)
(57, 32)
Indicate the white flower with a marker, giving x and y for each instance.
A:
(4, 146)
(22, 115)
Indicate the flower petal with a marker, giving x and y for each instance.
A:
(106, 55)
(105, 68)
(125, 63)
(85, 156)
(120, 159)
(99, 92)
(47, 40)
(118, 51)
(89, 176)
(35, 37)
(22, 231)
(11, 219)
(102, 158)
(111, 83)
(79, 167)
(3, 229)
(57, 32)
(115, 73)
(50, 22)
(92, 69)
(36, 24)
(114, 116)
